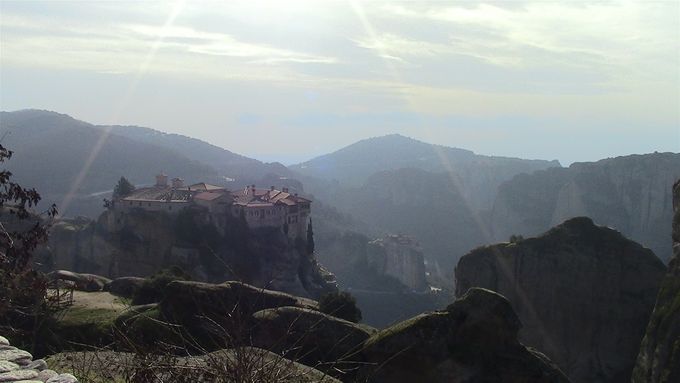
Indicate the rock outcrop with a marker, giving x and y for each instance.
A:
(142, 243)
(18, 366)
(401, 257)
(81, 281)
(473, 340)
(659, 358)
(382, 298)
(631, 194)
(310, 337)
(124, 286)
(584, 293)
(186, 301)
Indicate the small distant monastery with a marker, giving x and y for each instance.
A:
(261, 207)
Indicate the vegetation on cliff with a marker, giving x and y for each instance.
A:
(659, 358)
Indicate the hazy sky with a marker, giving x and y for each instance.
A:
(288, 80)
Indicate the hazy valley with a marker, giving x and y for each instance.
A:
(405, 226)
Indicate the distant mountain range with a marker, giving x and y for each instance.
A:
(477, 176)
(52, 149)
(453, 200)
(632, 194)
(227, 164)
(450, 199)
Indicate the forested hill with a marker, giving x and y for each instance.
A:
(52, 150)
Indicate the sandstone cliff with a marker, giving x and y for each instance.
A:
(584, 293)
(142, 243)
(659, 358)
(631, 194)
(399, 256)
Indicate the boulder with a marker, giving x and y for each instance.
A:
(309, 336)
(46, 375)
(124, 286)
(6, 366)
(17, 375)
(62, 378)
(83, 282)
(659, 357)
(184, 301)
(218, 316)
(257, 365)
(473, 340)
(14, 355)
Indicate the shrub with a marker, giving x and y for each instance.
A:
(342, 305)
(516, 238)
(23, 290)
(123, 188)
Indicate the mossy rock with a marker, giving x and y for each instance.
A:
(310, 337)
(124, 286)
(80, 327)
(474, 339)
(145, 328)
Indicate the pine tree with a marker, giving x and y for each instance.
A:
(310, 238)
(123, 188)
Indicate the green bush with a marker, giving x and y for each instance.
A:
(151, 291)
(341, 305)
(515, 238)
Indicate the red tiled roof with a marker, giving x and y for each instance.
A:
(202, 186)
(208, 196)
(265, 197)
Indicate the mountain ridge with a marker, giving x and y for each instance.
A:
(395, 151)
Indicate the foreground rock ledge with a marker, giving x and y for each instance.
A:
(473, 340)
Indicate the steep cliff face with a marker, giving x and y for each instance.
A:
(428, 206)
(400, 257)
(142, 243)
(659, 358)
(631, 194)
(584, 293)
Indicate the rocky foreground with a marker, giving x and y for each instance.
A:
(224, 331)
(18, 366)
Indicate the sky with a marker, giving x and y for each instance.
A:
(287, 80)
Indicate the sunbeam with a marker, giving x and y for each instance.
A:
(131, 89)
